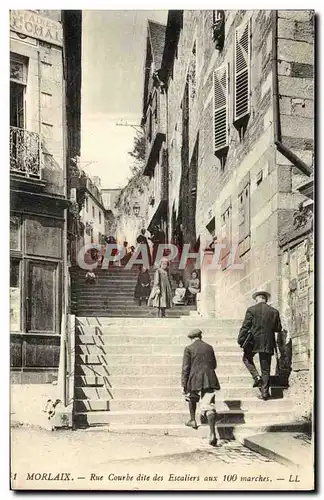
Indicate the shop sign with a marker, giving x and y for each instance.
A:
(31, 24)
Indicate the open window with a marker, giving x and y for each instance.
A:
(18, 82)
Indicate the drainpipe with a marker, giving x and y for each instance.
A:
(63, 363)
(282, 148)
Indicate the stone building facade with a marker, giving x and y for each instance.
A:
(44, 134)
(93, 213)
(109, 199)
(154, 123)
(240, 138)
(132, 210)
(240, 145)
(142, 204)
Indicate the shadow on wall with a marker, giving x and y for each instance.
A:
(93, 389)
(52, 171)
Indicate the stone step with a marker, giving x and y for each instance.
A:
(162, 338)
(118, 295)
(177, 404)
(111, 277)
(224, 431)
(120, 270)
(107, 370)
(233, 417)
(142, 359)
(97, 380)
(157, 349)
(159, 322)
(124, 313)
(102, 345)
(228, 391)
(122, 302)
(107, 304)
(134, 309)
(171, 330)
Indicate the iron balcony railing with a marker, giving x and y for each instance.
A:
(25, 152)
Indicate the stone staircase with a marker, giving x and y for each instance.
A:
(113, 294)
(127, 378)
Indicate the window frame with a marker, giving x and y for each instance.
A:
(17, 259)
(244, 227)
(226, 213)
(216, 75)
(239, 32)
(17, 251)
(17, 58)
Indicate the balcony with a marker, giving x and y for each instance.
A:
(25, 153)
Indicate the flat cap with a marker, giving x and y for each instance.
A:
(195, 333)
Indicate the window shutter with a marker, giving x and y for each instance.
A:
(220, 108)
(242, 69)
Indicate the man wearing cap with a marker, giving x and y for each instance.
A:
(260, 324)
(199, 381)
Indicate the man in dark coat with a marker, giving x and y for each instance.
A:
(260, 324)
(199, 380)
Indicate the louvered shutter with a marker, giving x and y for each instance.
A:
(242, 69)
(220, 108)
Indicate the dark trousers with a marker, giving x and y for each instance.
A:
(265, 364)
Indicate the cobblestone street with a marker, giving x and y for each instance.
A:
(82, 453)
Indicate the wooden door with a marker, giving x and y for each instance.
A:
(42, 297)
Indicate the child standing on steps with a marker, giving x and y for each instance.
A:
(161, 294)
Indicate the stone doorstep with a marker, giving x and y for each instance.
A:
(224, 431)
(283, 447)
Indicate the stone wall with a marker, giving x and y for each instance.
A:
(296, 104)
(44, 104)
(127, 224)
(246, 157)
(252, 158)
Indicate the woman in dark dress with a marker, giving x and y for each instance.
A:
(143, 286)
(142, 240)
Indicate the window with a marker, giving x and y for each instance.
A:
(43, 236)
(43, 295)
(91, 235)
(221, 108)
(219, 28)
(226, 232)
(93, 212)
(155, 107)
(47, 131)
(86, 205)
(244, 220)
(15, 303)
(157, 182)
(149, 124)
(99, 217)
(242, 72)
(46, 100)
(18, 81)
(15, 224)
